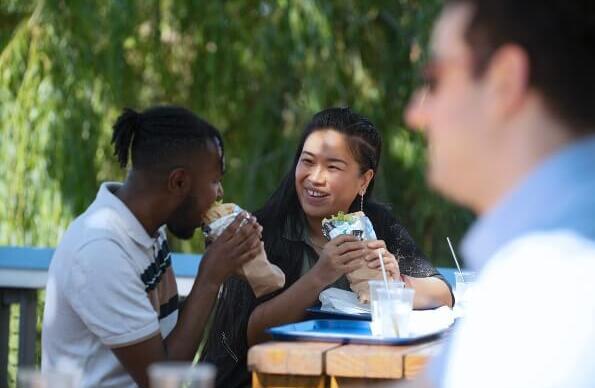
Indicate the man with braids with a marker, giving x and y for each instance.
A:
(111, 301)
(509, 113)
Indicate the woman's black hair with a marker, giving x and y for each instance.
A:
(365, 143)
(227, 346)
(159, 137)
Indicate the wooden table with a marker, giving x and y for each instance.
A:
(320, 364)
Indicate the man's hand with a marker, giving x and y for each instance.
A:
(238, 244)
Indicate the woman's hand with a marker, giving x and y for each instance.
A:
(376, 247)
(339, 256)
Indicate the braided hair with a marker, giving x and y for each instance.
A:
(161, 137)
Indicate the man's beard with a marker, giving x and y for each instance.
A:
(177, 226)
(181, 232)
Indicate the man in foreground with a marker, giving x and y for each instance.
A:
(509, 115)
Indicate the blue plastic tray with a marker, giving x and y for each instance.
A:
(318, 313)
(341, 331)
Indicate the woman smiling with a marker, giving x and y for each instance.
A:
(333, 170)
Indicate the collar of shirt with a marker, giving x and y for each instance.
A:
(299, 234)
(559, 193)
(133, 227)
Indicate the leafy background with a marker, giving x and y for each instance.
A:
(257, 70)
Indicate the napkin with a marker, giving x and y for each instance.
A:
(421, 322)
(335, 299)
(424, 322)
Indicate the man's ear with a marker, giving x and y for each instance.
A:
(508, 80)
(179, 182)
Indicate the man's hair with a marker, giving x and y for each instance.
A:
(161, 137)
(559, 39)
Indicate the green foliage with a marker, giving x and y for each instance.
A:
(256, 69)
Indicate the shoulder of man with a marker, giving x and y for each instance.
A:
(528, 295)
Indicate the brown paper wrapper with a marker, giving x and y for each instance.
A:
(358, 281)
(262, 276)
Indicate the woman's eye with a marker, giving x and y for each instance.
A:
(307, 162)
(334, 168)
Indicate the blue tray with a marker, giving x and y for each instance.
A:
(318, 313)
(341, 331)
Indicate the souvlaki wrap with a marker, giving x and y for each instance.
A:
(262, 276)
(359, 225)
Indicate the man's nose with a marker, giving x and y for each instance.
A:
(415, 113)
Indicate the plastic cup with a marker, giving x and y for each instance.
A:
(379, 284)
(392, 312)
(376, 285)
(181, 375)
(464, 282)
(34, 378)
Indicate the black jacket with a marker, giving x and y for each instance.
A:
(226, 346)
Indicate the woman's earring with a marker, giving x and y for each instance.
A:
(361, 203)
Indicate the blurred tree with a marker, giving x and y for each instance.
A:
(256, 69)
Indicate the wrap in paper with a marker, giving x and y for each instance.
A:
(358, 224)
(262, 276)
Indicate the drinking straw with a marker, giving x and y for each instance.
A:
(454, 256)
(384, 277)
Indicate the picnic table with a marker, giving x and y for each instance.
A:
(23, 272)
(321, 364)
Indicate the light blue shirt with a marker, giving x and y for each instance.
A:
(558, 194)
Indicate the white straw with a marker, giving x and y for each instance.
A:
(454, 256)
(384, 277)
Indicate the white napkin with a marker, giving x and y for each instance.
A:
(421, 322)
(335, 299)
